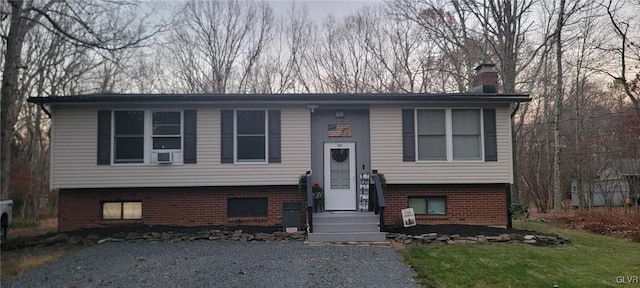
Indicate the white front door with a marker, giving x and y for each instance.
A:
(340, 176)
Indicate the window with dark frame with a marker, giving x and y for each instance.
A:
(251, 136)
(428, 205)
(247, 207)
(128, 136)
(122, 210)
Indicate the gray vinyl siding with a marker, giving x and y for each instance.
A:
(387, 157)
(74, 152)
(359, 119)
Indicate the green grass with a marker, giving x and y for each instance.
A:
(589, 261)
(18, 223)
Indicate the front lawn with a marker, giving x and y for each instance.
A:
(589, 261)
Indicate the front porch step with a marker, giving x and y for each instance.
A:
(346, 227)
(345, 217)
(347, 237)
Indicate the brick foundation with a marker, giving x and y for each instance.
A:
(473, 204)
(181, 206)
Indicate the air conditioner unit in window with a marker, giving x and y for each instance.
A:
(164, 157)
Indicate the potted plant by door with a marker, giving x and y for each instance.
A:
(318, 197)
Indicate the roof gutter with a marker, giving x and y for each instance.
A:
(45, 110)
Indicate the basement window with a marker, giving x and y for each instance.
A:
(428, 205)
(247, 207)
(122, 210)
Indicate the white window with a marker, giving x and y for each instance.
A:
(139, 135)
(466, 134)
(449, 134)
(432, 134)
(251, 135)
(122, 210)
(166, 130)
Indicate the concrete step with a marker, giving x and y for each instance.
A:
(345, 227)
(355, 217)
(347, 237)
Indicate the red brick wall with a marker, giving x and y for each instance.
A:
(185, 206)
(477, 204)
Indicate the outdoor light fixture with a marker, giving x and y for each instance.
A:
(312, 107)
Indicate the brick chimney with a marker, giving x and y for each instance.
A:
(486, 79)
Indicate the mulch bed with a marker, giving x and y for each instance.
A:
(459, 229)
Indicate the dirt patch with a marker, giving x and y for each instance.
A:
(616, 223)
(46, 226)
(18, 262)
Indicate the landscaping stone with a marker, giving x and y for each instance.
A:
(55, 239)
(280, 236)
(432, 238)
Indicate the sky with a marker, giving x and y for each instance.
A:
(320, 9)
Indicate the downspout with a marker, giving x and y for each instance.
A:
(50, 117)
(508, 192)
(514, 110)
(45, 110)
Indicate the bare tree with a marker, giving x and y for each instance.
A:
(108, 25)
(448, 25)
(279, 70)
(216, 47)
(627, 50)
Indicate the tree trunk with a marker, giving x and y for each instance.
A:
(9, 92)
(557, 187)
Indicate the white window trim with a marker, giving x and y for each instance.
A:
(150, 124)
(235, 137)
(121, 211)
(148, 137)
(426, 203)
(449, 134)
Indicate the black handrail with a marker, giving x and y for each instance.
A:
(309, 183)
(379, 203)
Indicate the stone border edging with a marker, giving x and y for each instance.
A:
(434, 238)
(152, 237)
(239, 235)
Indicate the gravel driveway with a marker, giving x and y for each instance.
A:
(222, 264)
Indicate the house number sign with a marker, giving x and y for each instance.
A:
(364, 192)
